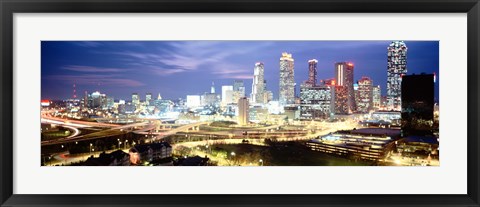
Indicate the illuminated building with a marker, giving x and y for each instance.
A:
(344, 80)
(212, 89)
(397, 67)
(243, 111)
(95, 100)
(258, 83)
(140, 154)
(148, 99)
(227, 94)
(341, 100)
(210, 99)
(377, 97)
(238, 90)
(193, 101)
(267, 96)
(287, 81)
(368, 144)
(85, 100)
(316, 102)
(417, 104)
(135, 100)
(365, 93)
(159, 97)
(312, 73)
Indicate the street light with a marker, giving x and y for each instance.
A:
(261, 162)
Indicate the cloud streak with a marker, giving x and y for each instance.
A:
(93, 79)
(92, 69)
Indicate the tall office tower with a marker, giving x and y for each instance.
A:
(243, 111)
(135, 100)
(341, 100)
(85, 100)
(148, 99)
(365, 92)
(312, 73)
(159, 97)
(212, 89)
(258, 86)
(315, 102)
(344, 79)
(227, 94)
(96, 99)
(356, 93)
(238, 90)
(417, 104)
(377, 97)
(397, 68)
(287, 81)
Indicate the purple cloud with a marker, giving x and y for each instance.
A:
(92, 69)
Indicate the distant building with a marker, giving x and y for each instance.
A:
(312, 73)
(316, 102)
(396, 69)
(341, 100)
(287, 81)
(258, 84)
(243, 111)
(238, 90)
(140, 154)
(211, 99)
(344, 78)
(193, 101)
(212, 88)
(148, 99)
(377, 97)
(116, 158)
(365, 93)
(136, 100)
(227, 94)
(417, 104)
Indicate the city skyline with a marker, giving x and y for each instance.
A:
(122, 68)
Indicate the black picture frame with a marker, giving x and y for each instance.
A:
(10, 7)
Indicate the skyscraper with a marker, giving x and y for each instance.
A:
(312, 73)
(148, 99)
(258, 86)
(344, 79)
(212, 89)
(365, 93)
(227, 94)
(243, 111)
(238, 90)
(135, 100)
(397, 68)
(377, 97)
(315, 102)
(287, 81)
(417, 104)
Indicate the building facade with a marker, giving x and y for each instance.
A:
(396, 69)
(243, 111)
(258, 84)
(287, 81)
(316, 102)
(377, 97)
(312, 73)
(344, 80)
(365, 95)
(227, 94)
(136, 100)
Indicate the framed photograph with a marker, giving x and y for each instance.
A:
(232, 103)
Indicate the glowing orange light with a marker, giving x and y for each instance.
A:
(333, 82)
(350, 64)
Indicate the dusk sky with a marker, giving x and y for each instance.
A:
(179, 68)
